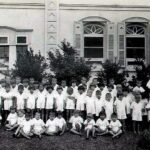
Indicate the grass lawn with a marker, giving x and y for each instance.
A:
(67, 142)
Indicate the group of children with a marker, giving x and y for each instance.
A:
(31, 108)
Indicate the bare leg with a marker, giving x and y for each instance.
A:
(75, 132)
(134, 127)
(24, 135)
(118, 133)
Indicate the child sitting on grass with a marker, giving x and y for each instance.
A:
(89, 126)
(26, 127)
(102, 124)
(11, 119)
(51, 125)
(76, 121)
(38, 125)
(61, 123)
(115, 126)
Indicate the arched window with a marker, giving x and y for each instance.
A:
(93, 39)
(135, 40)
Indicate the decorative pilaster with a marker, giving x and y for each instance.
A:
(51, 25)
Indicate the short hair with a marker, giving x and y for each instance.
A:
(92, 85)
(7, 85)
(70, 90)
(59, 113)
(59, 88)
(108, 94)
(31, 87)
(49, 87)
(76, 112)
(110, 86)
(12, 108)
(36, 82)
(81, 88)
(25, 80)
(20, 87)
(125, 90)
(27, 115)
(119, 94)
(113, 115)
(52, 113)
(98, 92)
(102, 113)
(73, 81)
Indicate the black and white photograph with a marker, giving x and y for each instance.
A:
(74, 74)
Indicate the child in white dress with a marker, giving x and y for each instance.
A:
(30, 105)
(89, 124)
(99, 103)
(38, 125)
(7, 97)
(40, 101)
(115, 126)
(148, 113)
(120, 109)
(102, 124)
(138, 87)
(26, 127)
(51, 125)
(20, 98)
(108, 106)
(80, 97)
(20, 120)
(70, 103)
(136, 111)
(61, 123)
(11, 119)
(76, 122)
(90, 103)
(50, 101)
(60, 99)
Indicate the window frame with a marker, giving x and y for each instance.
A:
(133, 36)
(3, 44)
(100, 59)
(22, 43)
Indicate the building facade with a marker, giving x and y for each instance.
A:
(112, 29)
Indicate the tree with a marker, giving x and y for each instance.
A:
(111, 70)
(142, 71)
(29, 65)
(66, 65)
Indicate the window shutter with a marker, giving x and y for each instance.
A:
(147, 46)
(78, 37)
(121, 44)
(110, 41)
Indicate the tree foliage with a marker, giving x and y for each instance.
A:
(29, 65)
(111, 70)
(66, 65)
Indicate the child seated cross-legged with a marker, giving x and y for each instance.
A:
(61, 123)
(115, 126)
(102, 124)
(51, 125)
(38, 125)
(20, 120)
(26, 127)
(11, 119)
(89, 126)
(77, 121)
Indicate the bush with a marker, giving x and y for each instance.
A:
(142, 71)
(66, 65)
(29, 65)
(111, 70)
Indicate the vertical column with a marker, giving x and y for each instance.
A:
(12, 56)
(51, 25)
